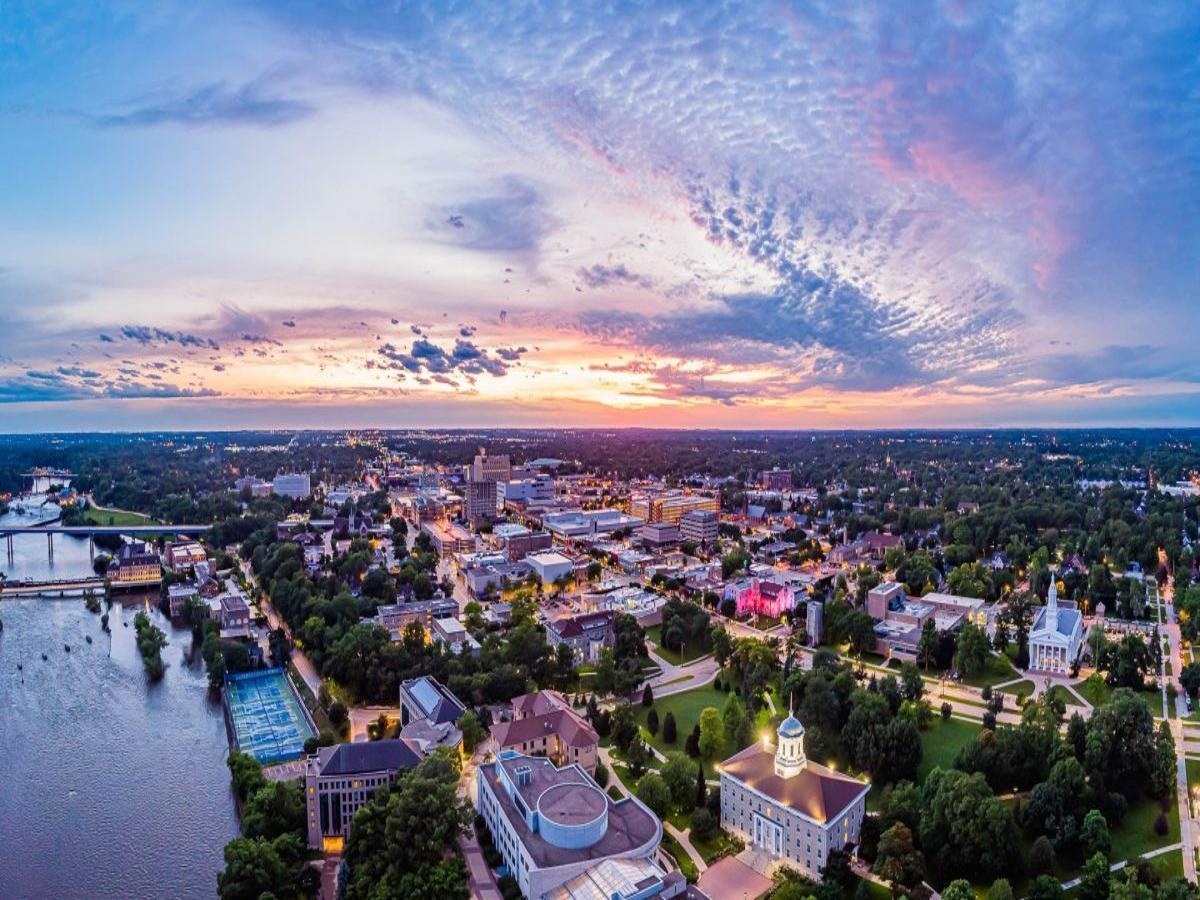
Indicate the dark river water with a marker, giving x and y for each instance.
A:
(110, 787)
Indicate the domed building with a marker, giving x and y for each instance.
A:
(563, 837)
(795, 811)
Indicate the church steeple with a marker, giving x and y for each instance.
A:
(1051, 620)
(789, 751)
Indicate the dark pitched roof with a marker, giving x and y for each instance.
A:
(372, 756)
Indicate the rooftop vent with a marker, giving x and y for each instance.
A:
(524, 775)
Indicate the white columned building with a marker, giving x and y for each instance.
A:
(1056, 637)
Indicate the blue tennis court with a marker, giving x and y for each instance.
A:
(268, 721)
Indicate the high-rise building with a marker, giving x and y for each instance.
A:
(480, 506)
(490, 468)
(701, 526)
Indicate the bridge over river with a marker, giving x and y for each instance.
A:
(90, 531)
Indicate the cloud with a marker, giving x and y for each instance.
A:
(465, 358)
(146, 335)
(513, 217)
(68, 385)
(599, 276)
(214, 104)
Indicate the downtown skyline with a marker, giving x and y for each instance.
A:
(525, 214)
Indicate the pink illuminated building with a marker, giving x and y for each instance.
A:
(765, 598)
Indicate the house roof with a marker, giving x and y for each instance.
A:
(576, 626)
(433, 699)
(817, 792)
(372, 756)
(570, 728)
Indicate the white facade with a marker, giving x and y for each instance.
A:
(294, 485)
(550, 567)
(795, 811)
(1056, 637)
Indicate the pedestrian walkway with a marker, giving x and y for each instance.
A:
(1118, 866)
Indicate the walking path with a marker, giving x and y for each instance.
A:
(479, 873)
(1118, 866)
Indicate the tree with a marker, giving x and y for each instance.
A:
(1041, 856)
(1120, 739)
(912, 684)
(701, 787)
(692, 745)
(338, 714)
(652, 722)
(647, 696)
(1045, 887)
(472, 730)
(878, 742)
(959, 889)
(704, 825)
(1094, 878)
(678, 773)
(275, 808)
(927, 643)
(1163, 769)
(973, 651)
(637, 755)
(257, 867)
(712, 733)
(1094, 834)
(624, 727)
(1189, 677)
(1000, 890)
(669, 728)
(653, 791)
(964, 829)
(731, 721)
(601, 774)
(422, 805)
(897, 859)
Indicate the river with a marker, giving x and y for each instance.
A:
(111, 787)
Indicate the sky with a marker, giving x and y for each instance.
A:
(763, 214)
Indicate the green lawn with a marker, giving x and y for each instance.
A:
(1097, 693)
(690, 654)
(875, 890)
(1193, 773)
(723, 844)
(686, 866)
(940, 744)
(998, 669)
(116, 517)
(1021, 690)
(687, 707)
(1058, 692)
(1135, 835)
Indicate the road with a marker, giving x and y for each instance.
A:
(1189, 829)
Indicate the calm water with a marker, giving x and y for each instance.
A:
(110, 787)
(30, 558)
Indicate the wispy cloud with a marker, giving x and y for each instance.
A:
(216, 103)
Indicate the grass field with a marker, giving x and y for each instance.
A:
(686, 866)
(1058, 692)
(654, 633)
(940, 744)
(998, 669)
(115, 517)
(1135, 835)
(687, 707)
(1020, 689)
(1097, 693)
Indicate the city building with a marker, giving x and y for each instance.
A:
(135, 563)
(550, 566)
(517, 541)
(1056, 636)
(183, 555)
(480, 505)
(179, 596)
(588, 635)
(490, 468)
(256, 486)
(544, 724)
(659, 535)
(341, 779)
(448, 538)
(527, 491)
(396, 617)
(295, 485)
(764, 598)
(700, 526)
(776, 479)
(451, 632)
(795, 811)
(575, 524)
(671, 505)
(233, 615)
(552, 825)
(814, 622)
(623, 879)
(429, 715)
